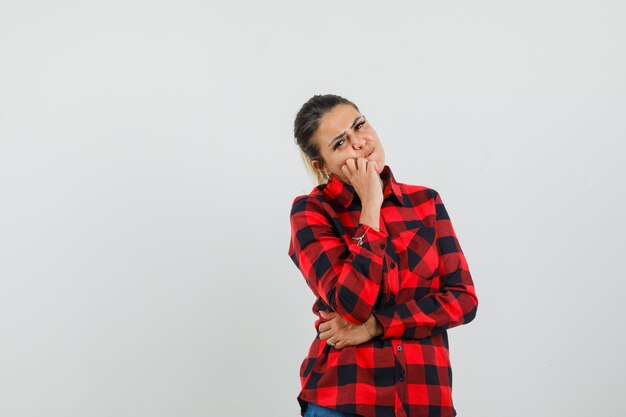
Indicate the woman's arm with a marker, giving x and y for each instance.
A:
(339, 333)
(347, 277)
(454, 305)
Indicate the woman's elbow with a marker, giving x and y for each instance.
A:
(471, 309)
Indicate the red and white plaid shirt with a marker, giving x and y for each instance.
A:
(412, 275)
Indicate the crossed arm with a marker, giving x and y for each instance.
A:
(357, 276)
(340, 333)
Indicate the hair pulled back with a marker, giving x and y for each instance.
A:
(308, 121)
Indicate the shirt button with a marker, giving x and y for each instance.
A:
(399, 348)
(382, 246)
(392, 265)
(401, 378)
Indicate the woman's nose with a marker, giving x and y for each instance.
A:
(356, 141)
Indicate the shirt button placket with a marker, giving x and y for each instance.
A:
(401, 387)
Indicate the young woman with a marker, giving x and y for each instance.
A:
(388, 272)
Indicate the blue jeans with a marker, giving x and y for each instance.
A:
(314, 410)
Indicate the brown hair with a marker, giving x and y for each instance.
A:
(306, 124)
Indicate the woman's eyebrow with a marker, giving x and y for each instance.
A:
(342, 134)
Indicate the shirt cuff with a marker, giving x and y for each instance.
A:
(369, 238)
(392, 327)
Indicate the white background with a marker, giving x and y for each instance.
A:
(147, 170)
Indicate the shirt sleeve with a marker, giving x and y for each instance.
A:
(346, 276)
(456, 302)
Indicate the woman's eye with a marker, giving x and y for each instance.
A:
(360, 125)
(339, 143)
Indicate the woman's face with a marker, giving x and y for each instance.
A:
(343, 134)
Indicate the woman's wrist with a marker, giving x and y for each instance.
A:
(370, 216)
(373, 327)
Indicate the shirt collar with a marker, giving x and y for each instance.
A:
(345, 193)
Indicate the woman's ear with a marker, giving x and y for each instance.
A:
(319, 167)
(322, 174)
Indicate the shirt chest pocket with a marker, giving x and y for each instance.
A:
(418, 252)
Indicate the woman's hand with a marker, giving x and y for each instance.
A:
(340, 333)
(363, 176)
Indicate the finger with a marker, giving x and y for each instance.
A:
(324, 327)
(337, 323)
(332, 341)
(351, 163)
(336, 318)
(373, 166)
(362, 164)
(326, 335)
(346, 171)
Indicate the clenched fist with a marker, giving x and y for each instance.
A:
(363, 176)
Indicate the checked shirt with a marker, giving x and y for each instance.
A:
(412, 275)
